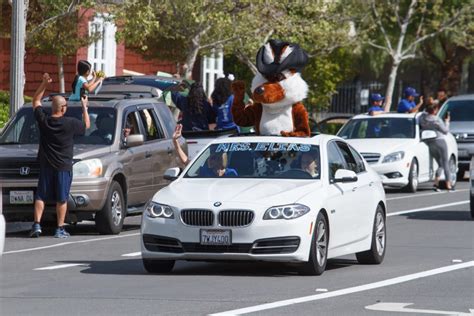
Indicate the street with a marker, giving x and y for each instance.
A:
(428, 269)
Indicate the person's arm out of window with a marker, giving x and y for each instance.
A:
(184, 159)
(85, 113)
(40, 91)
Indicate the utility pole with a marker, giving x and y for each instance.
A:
(17, 54)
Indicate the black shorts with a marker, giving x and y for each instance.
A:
(53, 185)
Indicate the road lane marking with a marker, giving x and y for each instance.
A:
(133, 254)
(61, 266)
(400, 307)
(350, 290)
(425, 194)
(69, 243)
(427, 208)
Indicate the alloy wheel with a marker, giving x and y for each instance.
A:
(116, 207)
(380, 233)
(321, 244)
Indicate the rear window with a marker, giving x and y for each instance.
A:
(459, 111)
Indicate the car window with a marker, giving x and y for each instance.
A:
(358, 159)
(383, 127)
(348, 157)
(335, 160)
(152, 131)
(167, 119)
(459, 110)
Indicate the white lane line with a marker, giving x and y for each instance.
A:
(133, 254)
(69, 243)
(425, 194)
(350, 290)
(61, 266)
(427, 208)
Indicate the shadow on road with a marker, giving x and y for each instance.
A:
(441, 215)
(185, 268)
(74, 230)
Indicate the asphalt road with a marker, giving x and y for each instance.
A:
(428, 269)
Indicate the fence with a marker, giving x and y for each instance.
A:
(353, 98)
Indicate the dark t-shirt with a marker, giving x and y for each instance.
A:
(194, 121)
(57, 139)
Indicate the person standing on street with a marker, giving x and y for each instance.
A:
(407, 104)
(438, 146)
(55, 155)
(376, 107)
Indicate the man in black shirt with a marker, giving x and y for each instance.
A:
(55, 155)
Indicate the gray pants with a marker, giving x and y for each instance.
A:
(439, 151)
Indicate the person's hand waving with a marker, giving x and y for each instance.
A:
(46, 78)
(177, 132)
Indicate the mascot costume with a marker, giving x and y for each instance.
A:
(277, 92)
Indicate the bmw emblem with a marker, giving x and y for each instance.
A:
(217, 204)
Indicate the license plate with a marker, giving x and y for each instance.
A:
(21, 197)
(216, 237)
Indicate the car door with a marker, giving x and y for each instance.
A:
(363, 189)
(341, 207)
(426, 163)
(137, 161)
(158, 145)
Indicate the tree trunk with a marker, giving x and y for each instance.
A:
(190, 61)
(61, 74)
(391, 85)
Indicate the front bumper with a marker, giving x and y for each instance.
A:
(465, 152)
(262, 240)
(393, 173)
(86, 195)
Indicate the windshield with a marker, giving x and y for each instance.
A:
(459, 111)
(257, 160)
(386, 127)
(24, 129)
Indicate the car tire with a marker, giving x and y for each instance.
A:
(318, 253)
(412, 185)
(376, 253)
(109, 220)
(452, 169)
(158, 266)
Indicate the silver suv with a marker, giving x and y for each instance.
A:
(118, 165)
(461, 111)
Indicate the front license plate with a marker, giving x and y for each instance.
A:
(216, 237)
(21, 197)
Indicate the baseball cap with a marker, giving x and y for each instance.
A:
(409, 91)
(376, 97)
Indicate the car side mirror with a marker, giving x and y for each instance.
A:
(172, 173)
(134, 140)
(345, 176)
(428, 134)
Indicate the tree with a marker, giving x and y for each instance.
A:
(53, 29)
(397, 28)
(176, 30)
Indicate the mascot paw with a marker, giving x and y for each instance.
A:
(238, 87)
(286, 134)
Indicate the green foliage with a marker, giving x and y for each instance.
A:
(323, 76)
(5, 106)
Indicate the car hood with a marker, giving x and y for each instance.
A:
(461, 127)
(31, 151)
(383, 146)
(257, 191)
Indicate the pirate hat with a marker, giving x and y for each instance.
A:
(276, 56)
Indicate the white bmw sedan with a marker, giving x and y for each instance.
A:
(391, 143)
(298, 200)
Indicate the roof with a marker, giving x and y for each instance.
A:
(389, 114)
(462, 97)
(108, 103)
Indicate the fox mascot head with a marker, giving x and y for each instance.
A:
(277, 92)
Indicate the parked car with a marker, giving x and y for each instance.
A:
(391, 143)
(461, 112)
(266, 207)
(471, 173)
(114, 175)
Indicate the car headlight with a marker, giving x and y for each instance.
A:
(155, 210)
(87, 168)
(286, 211)
(396, 156)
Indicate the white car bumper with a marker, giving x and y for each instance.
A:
(173, 240)
(393, 173)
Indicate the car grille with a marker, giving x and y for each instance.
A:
(12, 169)
(235, 218)
(371, 157)
(464, 137)
(197, 217)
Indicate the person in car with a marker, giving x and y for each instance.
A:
(309, 163)
(438, 146)
(80, 84)
(216, 166)
(407, 104)
(104, 124)
(222, 99)
(376, 107)
(198, 114)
